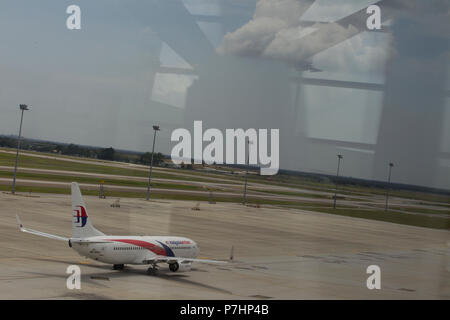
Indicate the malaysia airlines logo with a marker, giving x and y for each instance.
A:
(178, 242)
(81, 216)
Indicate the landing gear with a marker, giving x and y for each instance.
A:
(153, 270)
(118, 267)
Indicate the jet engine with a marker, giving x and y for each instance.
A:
(180, 267)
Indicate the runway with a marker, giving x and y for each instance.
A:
(279, 253)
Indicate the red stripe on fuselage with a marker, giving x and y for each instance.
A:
(147, 245)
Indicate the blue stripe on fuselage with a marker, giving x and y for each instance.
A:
(169, 251)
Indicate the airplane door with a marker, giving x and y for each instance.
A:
(102, 251)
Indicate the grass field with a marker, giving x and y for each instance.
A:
(178, 180)
(155, 195)
(421, 210)
(54, 164)
(303, 183)
(389, 216)
(93, 180)
(106, 167)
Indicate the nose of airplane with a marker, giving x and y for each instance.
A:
(196, 249)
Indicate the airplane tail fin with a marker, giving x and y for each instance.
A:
(81, 223)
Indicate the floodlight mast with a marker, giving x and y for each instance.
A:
(387, 189)
(22, 107)
(244, 200)
(337, 176)
(155, 128)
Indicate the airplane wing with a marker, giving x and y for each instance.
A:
(83, 241)
(158, 259)
(39, 233)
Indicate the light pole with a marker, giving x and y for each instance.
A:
(337, 176)
(155, 128)
(23, 107)
(244, 200)
(389, 182)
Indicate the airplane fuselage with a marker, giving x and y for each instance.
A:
(133, 249)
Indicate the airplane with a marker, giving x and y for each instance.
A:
(178, 252)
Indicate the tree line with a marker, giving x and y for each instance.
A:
(83, 151)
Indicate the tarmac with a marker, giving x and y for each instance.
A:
(279, 253)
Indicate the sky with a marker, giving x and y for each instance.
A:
(236, 63)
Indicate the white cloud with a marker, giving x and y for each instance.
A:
(332, 10)
(171, 89)
(361, 58)
(253, 38)
(270, 17)
(275, 32)
(287, 44)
